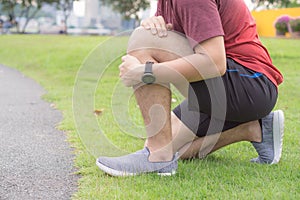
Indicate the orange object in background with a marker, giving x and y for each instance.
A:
(265, 20)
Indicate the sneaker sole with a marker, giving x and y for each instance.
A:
(114, 172)
(167, 174)
(278, 132)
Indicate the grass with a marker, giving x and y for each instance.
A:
(54, 62)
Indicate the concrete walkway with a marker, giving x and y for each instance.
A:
(36, 162)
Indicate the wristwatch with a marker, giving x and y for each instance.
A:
(148, 76)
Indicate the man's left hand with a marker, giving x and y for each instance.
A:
(131, 70)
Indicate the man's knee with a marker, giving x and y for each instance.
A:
(142, 39)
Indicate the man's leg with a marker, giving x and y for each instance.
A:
(155, 100)
(266, 139)
(199, 147)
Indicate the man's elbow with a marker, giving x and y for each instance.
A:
(221, 65)
(222, 69)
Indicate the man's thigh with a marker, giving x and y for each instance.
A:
(174, 46)
(201, 124)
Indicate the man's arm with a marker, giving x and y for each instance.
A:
(209, 61)
(176, 62)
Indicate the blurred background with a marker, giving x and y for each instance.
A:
(99, 17)
(92, 17)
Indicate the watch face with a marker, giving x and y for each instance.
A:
(148, 78)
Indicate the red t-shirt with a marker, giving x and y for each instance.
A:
(200, 20)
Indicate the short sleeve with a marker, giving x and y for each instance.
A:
(158, 9)
(199, 19)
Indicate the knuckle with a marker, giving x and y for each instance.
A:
(161, 19)
(144, 22)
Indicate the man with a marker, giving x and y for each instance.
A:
(222, 69)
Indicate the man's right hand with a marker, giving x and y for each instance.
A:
(157, 25)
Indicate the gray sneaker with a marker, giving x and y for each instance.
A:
(136, 163)
(269, 150)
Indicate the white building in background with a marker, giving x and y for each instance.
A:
(93, 14)
(85, 13)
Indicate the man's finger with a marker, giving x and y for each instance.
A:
(161, 26)
(146, 25)
(169, 26)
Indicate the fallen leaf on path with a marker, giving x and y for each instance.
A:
(98, 112)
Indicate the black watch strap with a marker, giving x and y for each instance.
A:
(148, 67)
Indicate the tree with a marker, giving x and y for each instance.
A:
(66, 7)
(273, 3)
(26, 8)
(8, 6)
(129, 9)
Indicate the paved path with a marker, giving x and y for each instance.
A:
(35, 159)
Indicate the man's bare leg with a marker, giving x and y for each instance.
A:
(200, 147)
(155, 100)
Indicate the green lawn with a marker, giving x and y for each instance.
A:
(54, 62)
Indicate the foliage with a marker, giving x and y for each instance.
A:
(295, 24)
(128, 8)
(281, 23)
(275, 3)
(28, 10)
(294, 4)
(65, 6)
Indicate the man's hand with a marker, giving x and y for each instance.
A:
(131, 70)
(157, 25)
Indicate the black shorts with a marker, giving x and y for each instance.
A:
(221, 103)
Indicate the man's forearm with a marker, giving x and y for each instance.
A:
(191, 68)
